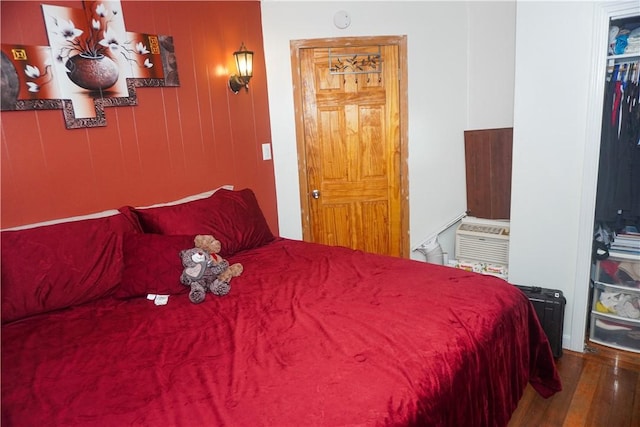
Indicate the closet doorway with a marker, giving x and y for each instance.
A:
(350, 100)
(603, 14)
(615, 297)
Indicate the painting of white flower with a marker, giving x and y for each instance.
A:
(32, 71)
(141, 49)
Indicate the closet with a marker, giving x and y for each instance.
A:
(615, 298)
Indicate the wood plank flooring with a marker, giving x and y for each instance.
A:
(600, 388)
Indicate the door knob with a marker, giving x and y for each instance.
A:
(315, 194)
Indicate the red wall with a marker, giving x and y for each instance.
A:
(175, 142)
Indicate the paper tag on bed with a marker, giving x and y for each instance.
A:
(161, 300)
(151, 297)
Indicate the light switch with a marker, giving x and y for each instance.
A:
(266, 151)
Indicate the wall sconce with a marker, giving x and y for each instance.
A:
(244, 65)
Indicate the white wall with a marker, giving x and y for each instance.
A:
(451, 88)
(549, 134)
(491, 64)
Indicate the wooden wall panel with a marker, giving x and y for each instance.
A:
(488, 158)
(177, 141)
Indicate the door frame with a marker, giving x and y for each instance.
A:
(401, 42)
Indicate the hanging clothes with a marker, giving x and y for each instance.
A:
(605, 194)
(618, 191)
(628, 196)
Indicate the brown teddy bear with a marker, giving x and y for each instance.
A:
(216, 267)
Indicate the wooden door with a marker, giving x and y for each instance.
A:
(353, 183)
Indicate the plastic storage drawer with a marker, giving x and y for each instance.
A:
(615, 308)
(612, 331)
(619, 269)
(619, 301)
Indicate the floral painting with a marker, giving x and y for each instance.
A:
(91, 62)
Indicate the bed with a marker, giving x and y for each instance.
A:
(308, 335)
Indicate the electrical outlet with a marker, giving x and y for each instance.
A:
(266, 151)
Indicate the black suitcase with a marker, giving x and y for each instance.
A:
(549, 305)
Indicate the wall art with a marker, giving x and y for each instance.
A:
(92, 62)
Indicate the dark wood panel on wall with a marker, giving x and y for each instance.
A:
(177, 141)
(488, 154)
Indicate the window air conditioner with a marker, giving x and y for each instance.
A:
(483, 240)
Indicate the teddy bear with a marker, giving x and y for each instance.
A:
(220, 265)
(205, 270)
(196, 273)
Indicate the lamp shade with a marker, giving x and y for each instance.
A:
(244, 62)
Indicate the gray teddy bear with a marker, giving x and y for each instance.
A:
(201, 274)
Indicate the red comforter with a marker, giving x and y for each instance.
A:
(308, 335)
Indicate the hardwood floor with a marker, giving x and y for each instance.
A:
(600, 388)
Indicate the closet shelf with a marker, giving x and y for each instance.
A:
(624, 56)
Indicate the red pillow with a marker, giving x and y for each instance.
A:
(56, 266)
(233, 217)
(152, 265)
